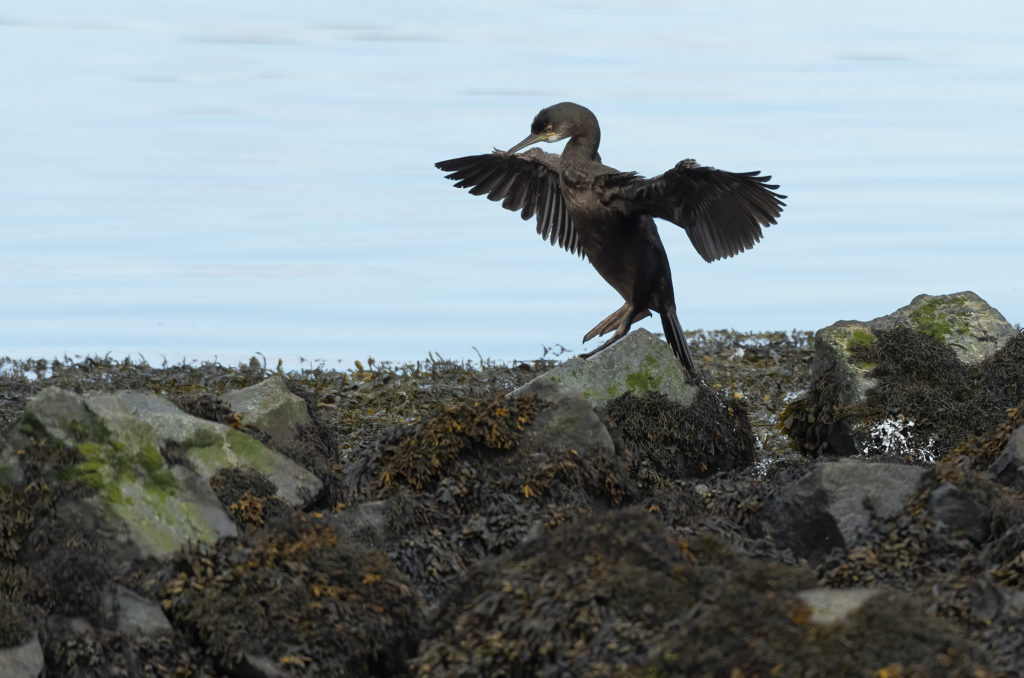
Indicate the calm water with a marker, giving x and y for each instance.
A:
(194, 180)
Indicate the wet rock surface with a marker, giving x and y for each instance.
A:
(453, 526)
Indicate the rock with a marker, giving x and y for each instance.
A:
(985, 599)
(833, 505)
(270, 408)
(23, 661)
(830, 421)
(207, 445)
(1008, 468)
(569, 422)
(639, 362)
(957, 509)
(138, 497)
(829, 605)
(963, 321)
(136, 614)
(125, 440)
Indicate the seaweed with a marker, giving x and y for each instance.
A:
(297, 596)
(665, 440)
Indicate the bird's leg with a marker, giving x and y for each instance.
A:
(625, 316)
(609, 323)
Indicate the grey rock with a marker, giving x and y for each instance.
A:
(833, 505)
(569, 422)
(270, 408)
(140, 499)
(988, 600)
(23, 661)
(639, 362)
(136, 614)
(834, 605)
(1008, 468)
(985, 598)
(11, 472)
(964, 321)
(209, 446)
(954, 507)
(55, 414)
(139, 503)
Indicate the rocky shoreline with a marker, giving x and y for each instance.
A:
(847, 502)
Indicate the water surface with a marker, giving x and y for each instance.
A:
(209, 180)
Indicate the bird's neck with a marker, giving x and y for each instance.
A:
(583, 146)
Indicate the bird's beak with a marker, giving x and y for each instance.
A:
(530, 141)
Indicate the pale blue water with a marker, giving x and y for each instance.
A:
(193, 180)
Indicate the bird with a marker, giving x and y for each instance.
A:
(607, 216)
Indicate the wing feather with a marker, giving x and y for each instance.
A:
(723, 212)
(525, 183)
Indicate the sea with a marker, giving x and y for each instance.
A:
(192, 181)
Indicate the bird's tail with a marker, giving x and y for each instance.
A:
(677, 340)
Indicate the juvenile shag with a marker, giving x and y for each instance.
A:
(605, 215)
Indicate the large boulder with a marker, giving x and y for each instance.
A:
(638, 363)
(906, 384)
(833, 505)
(568, 422)
(207, 446)
(148, 464)
(963, 321)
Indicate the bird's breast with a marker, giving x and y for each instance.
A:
(625, 249)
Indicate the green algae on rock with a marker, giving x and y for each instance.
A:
(887, 385)
(639, 363)
(122, 438)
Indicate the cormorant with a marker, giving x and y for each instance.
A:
(605, 215)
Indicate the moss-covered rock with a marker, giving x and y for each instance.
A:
(147, 464)
(638, 363)
(272, 409)
(910, 383)
(207, 446)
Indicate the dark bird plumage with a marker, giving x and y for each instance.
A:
(605, 215)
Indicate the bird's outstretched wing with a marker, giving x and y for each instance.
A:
(527, 182)
(722, 212)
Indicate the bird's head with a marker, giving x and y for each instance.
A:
(559, 122)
